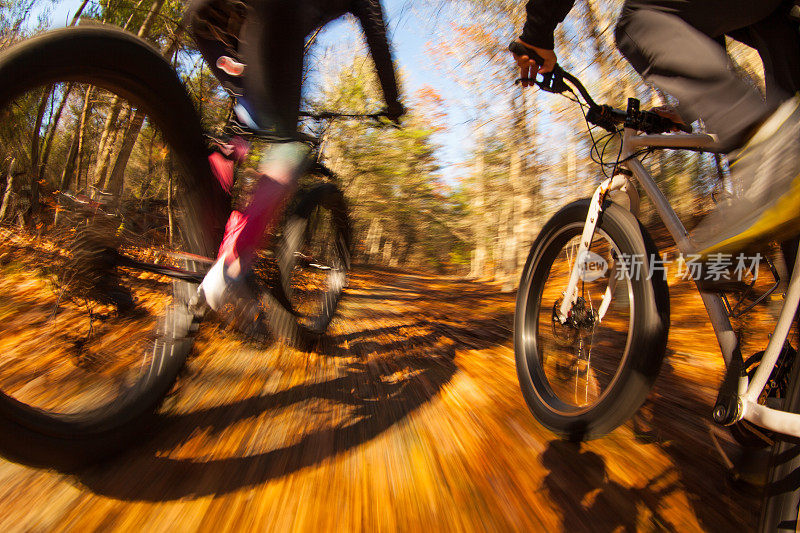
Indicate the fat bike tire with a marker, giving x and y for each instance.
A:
(115, 63)
(314, 260)
(647, 334)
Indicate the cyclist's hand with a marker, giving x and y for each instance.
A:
(395, 111)
(668, 111)
(528, 67)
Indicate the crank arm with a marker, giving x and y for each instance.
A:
(172, 272)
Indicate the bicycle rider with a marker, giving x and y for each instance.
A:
(678, 46)
(267, 38)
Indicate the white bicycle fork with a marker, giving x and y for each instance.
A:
(617, 183)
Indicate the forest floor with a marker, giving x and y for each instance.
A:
(410, 418)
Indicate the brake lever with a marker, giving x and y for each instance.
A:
(552, 82)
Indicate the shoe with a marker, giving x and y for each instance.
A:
(767, 169)
(218, 290)
(244, 116)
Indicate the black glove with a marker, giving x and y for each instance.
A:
(394, 111)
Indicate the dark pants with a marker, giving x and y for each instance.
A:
(271, 46)
(676, 46)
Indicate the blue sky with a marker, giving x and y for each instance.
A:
(409, 30)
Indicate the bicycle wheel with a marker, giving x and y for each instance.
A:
(583, 378)
(313, 260)
(781, 504)
(91, 344)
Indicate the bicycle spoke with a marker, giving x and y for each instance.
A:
(79, 321)
(571, 364)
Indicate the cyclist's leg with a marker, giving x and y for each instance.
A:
(272, 49)
(278, 172)
(671, 43)
(778, 43)
(272, 46)
(208, 22)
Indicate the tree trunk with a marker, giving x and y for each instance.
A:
(9, 190)
(515, 214)
(148, 177)
(387, 253)
(520, 199)
(572, 187)
(78, 13)
(105, 146)
(170, 221)
(144, 29)
(109, 142)
(69, 168)
(81, 137)
(505, 246)
(130, 19)
(372, 244)
(530, 197)
(72, 157)
(603, 41)
(110, 129)
(34, 168)
(48, 143)
(116, 181)
(478, 269)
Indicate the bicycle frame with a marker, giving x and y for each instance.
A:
(738, 398)
(198, 273)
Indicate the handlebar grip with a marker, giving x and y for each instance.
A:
(520, 49)
(652, 122)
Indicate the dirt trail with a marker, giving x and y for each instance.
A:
(410, 417)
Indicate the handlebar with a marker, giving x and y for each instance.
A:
(560, 81)
(272, 137)
(327, 115)
(324, 115)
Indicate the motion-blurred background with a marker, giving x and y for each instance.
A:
(480, 163)
(411, 416)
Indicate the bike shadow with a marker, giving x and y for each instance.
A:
(383, 383)
(578, 481)
(677, 418)
(671, 422)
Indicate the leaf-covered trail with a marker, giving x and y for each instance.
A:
(409, 417)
